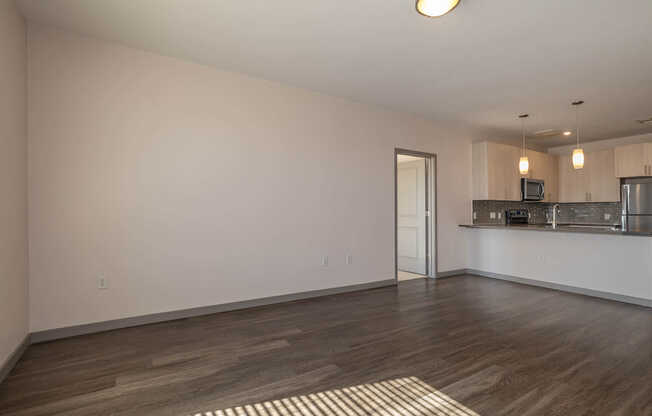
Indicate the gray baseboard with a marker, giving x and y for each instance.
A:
(451, 273)
(564, 288)
(10, 363)
(71, 331)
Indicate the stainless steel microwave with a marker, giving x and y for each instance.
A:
(532, 189)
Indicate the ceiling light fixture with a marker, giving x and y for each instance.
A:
(524, 162)
(578, 153)
(436, 8)
(568, 133)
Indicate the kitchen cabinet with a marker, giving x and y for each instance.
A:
(496, 175)
(573, 184)
(544, 166)
(604, 185)
(597, 182)
(633, 160)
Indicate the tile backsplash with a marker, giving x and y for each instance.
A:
(607, 213)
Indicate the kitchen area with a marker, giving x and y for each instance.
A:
(577, 224)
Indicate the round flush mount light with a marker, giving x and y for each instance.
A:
(436, 8)
(568, 133)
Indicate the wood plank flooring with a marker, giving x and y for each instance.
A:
(498, 348)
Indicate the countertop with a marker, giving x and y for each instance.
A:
(563, 228)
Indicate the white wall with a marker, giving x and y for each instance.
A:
(188, 186)
(614, 264)
(13, 181)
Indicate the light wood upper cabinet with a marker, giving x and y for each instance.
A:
(633, 160)
(496, 175)
(573, 184)
(604, 185)
(597, 182)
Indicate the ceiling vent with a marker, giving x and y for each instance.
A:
(547, 133)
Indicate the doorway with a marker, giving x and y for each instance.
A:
(415, 214)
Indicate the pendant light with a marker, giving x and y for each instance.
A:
(578, 153)
(436, 8)
(524, 162)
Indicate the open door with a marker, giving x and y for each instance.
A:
(414, 199)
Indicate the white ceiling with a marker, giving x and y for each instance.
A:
(482, 64)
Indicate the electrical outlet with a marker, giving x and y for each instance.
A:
(102, 283)
(324, 261)
(492, 215)
(349, 259)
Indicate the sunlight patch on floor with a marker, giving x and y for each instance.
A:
(399, 397)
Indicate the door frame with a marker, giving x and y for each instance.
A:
(431, 207)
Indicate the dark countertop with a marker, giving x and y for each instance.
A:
(565, 228)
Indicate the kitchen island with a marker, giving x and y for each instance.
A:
(596, 261)
(566, 228)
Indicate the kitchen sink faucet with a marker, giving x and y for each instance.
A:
(555, 211)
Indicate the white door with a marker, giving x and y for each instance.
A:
(411, 232)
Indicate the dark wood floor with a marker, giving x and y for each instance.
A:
(499, 348)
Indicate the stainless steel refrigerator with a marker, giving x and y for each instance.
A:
(637, 204)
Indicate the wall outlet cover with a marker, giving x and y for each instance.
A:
(102, 283)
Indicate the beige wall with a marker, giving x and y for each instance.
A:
(13, 181)
(188, 186)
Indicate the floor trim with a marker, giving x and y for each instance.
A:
(71, 331)
(564, 288)
(451, 273)
(10, 363)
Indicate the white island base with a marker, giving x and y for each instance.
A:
(614, 267)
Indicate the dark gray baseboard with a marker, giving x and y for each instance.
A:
(564, 288)
(451, 273)
(10, 363)
(71, 331)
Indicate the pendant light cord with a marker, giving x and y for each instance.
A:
(523, 132)
(523, 117)
(577, 105)
(577, 124)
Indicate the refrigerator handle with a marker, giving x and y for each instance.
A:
(625, 206)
